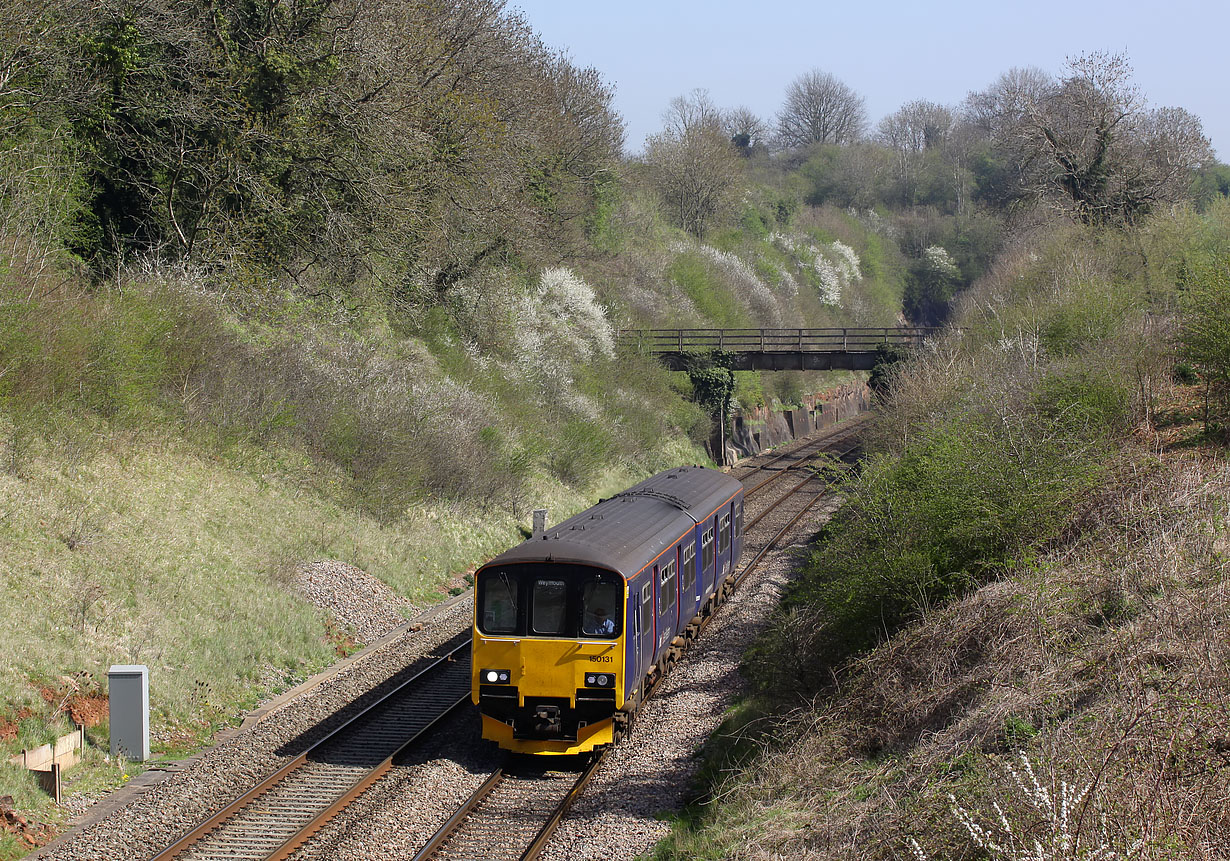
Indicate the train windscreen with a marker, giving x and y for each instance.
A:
(550, 600)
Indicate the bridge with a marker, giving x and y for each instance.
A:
(776, 349)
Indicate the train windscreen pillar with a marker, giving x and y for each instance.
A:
(128, 692)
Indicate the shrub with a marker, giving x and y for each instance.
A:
(930, 285)
(1205, 336)
(919, 528)
(1085, 400)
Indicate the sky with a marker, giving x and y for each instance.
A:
(891, 52)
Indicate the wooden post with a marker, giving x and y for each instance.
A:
(50, 781)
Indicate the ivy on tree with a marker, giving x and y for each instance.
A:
(713, 381)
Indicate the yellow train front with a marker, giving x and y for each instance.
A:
(569, 626)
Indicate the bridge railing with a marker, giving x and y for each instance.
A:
(848, 340)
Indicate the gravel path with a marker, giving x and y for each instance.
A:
(358, 601)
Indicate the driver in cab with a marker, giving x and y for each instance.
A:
(600, 625)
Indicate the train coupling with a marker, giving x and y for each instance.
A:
(547, 720)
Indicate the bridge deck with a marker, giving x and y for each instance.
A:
(776, 349)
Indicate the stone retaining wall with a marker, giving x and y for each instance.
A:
(758, 428)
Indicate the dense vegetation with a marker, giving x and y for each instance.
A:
(285, 281)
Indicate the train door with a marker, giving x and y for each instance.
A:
(644, 627)
(738, 543)
(707, 567)
(687, 581)
(724, 555)
(668, 601)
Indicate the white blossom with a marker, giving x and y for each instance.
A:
(836, 265)
(746, 284)
(940, 261)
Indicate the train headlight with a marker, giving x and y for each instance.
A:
(599, 680)
(496, 677)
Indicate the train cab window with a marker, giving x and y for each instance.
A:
(499, 604)
(738, 520)
(647, 608)
(688, 584)
(549, 606)
(724, 533)
(601, 608)
(706, 549)
(666, 591)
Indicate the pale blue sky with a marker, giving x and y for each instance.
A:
(891, 52)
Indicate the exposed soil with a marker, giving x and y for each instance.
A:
(343, 644)
(9, 726)
(88, 709)
(31, 834)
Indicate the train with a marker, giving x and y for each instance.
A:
(572, 627)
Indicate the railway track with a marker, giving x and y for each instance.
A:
(764, 470)
(811, 463)
(510, 816)
(282, 812)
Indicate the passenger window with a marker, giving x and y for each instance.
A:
(601, 608)
(549, 606)
(706, 549)
(724, 534)
(647, 607)
(689, 571)
(738, 520)
(499, 604)
(666, 594)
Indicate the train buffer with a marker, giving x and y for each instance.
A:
(856, 349)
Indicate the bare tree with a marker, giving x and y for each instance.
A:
(693, 162)
(1001, 108)
(914, 129)
(1087, 144)
(916, 126)
(819, 108)
(746, 130)
(691, 113)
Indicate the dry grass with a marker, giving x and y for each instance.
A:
(1106, 661)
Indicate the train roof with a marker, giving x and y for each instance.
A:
(627, 531)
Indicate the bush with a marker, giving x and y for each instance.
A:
(1085, 401)
(920, 528)
(1205, 337)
